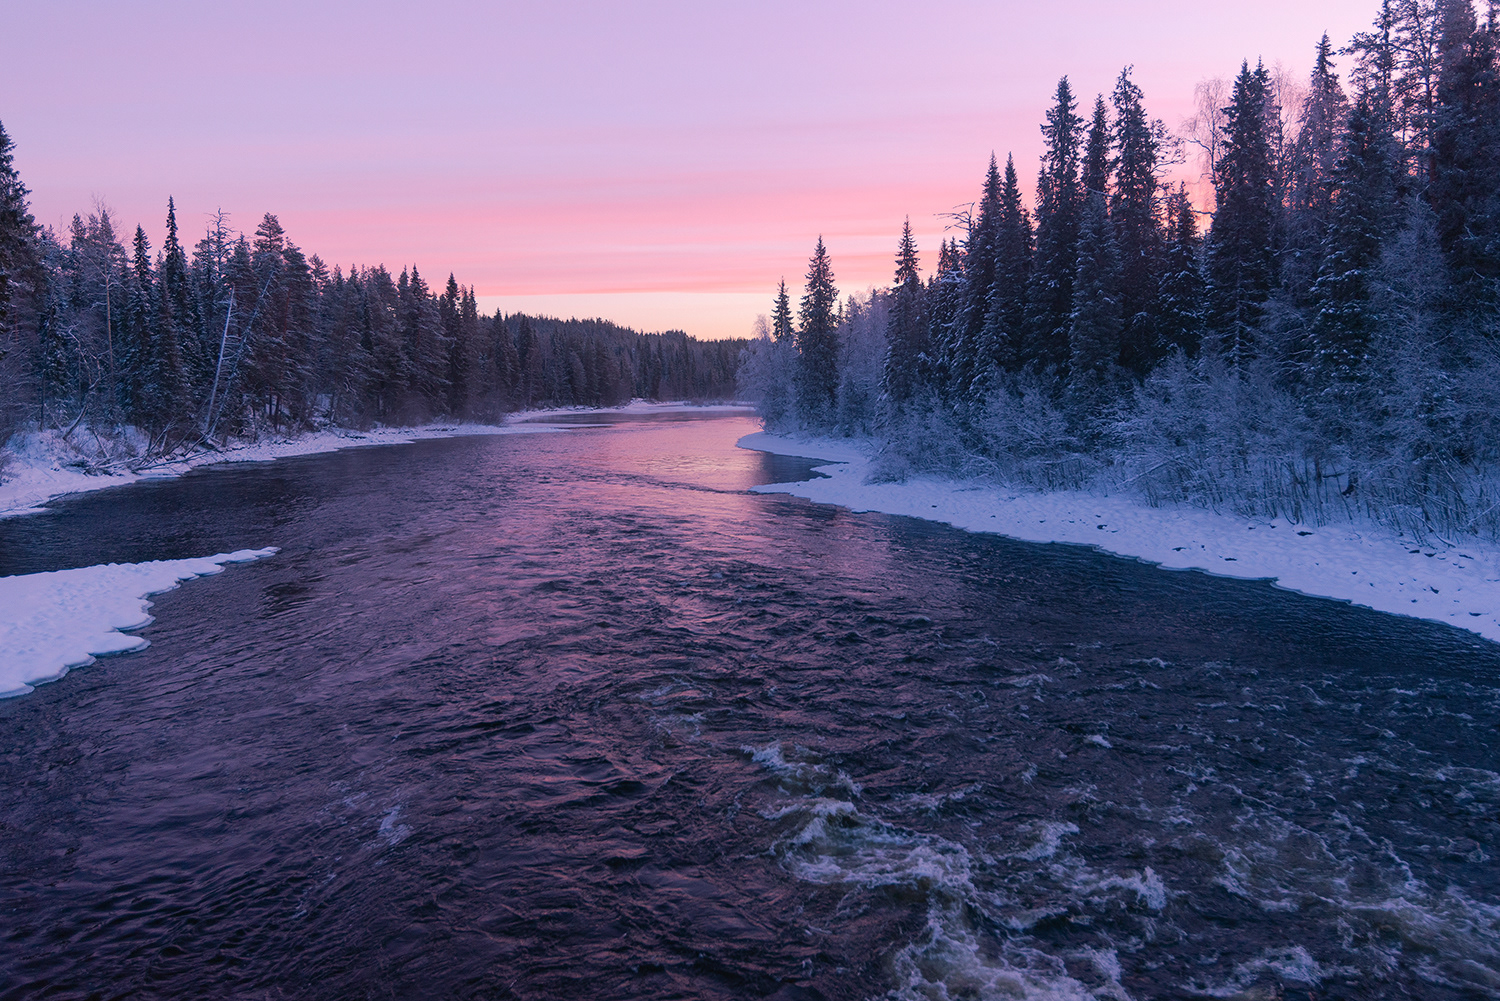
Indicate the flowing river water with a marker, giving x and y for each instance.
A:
(573, 715)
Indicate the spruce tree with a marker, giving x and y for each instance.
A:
(1320, 127)
(967, 361)
(18, 233)
(507, 361)
(175, 320)
(1180, 305)
(1464, 186)
(945, 301)
(817, 341)
(906, 325)
(459, 348)
(1001, 341)
(1133, 208)
(1363, 215)
(1096, 322)
(781, 316)
(140, 395)
(1096, 163)
(1049, 297)
(1241, 262)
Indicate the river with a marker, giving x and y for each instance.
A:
(575, 715)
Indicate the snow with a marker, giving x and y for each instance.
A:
(55, 621)
(42, 466)
(1361, 564)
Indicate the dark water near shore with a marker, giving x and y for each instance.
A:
(572, 715)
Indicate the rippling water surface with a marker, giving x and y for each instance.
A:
(572, 715)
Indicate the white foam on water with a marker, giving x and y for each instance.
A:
(802, 773)
(392, 832)
(1049, 837)
(53, 622)
(833, 842)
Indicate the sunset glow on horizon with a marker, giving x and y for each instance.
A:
(662, 165)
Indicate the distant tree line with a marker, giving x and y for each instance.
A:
(1329, 346)
(242, 333)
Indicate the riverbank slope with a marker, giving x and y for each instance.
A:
(41, 466)
(1363, 564)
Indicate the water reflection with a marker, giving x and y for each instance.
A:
(574, 715)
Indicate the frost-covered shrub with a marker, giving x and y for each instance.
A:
(767, 376)
(862, 340)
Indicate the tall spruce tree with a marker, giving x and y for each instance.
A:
(1363, 214)
(1241, 261)
(945, 299)
(1180, 304)
(817, 341)
(1464, 186)
(1059, 196)
(781, 316)
(28, 331)
(1096, 321)
(967, 364)
(906, 325)
(1096, 161)
(1319, 133)
(1000, 344)
(18, 234)
(1133, 209)
(139, 396)
(175, 320)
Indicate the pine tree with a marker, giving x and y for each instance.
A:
(1096, 162)
(1363, 215)
(1096, 321)
(1000, 343)
(1464, 188)
(1133, 211)
(907, 330)
(1049, 297)
(817, 341)
(781, 316)
(1241, 271)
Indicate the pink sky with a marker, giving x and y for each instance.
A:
(662, 164)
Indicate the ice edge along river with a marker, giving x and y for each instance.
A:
(62, 619)
(1361, 564)
(39, 470)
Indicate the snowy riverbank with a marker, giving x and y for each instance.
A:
(1365, 565)
(41, 466)
(63, 619)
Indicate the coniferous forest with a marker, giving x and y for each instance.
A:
(1321, 342)
(232, 334)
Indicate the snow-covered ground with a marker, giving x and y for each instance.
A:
(63, 619)
(1365, 565)
(42, 466)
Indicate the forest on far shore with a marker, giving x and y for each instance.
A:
(1321, 343)
(241, 334)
